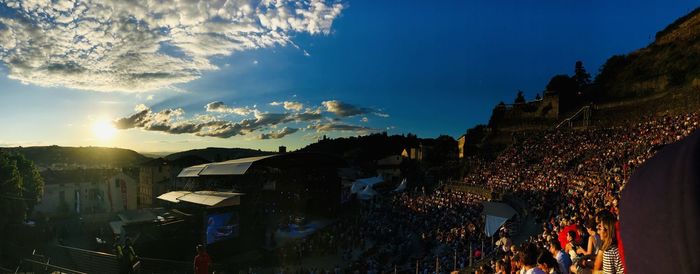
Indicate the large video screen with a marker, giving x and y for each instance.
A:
(221, 226)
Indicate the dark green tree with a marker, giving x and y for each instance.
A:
(562, 84)
(11, 202)
(12, 207)
(32, 183)
(581, 76)
(520, 99)
(566, 87)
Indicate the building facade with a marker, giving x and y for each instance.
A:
(154, 179)
(87, 191)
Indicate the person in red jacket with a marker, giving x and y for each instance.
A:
(568, 226)
(202, 261)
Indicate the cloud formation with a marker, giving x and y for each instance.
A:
(340, 127)
(173, 120)
(222, 108)
(343, 109)
(289, 105)
(278, 134)
(115, 45)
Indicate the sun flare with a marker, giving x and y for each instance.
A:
(103, 130)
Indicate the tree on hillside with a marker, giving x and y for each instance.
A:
(581, 76)
(32, 183)
(519, 99)
(566, 87)
(21, 187)
(561, 84)
(11, 202)
(610, 71)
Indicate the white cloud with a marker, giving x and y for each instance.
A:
(267, 125)
(344, 109)
(278, 134)
(172, 121)
(136, 46)
(289, 105)
(340, 127)
(220, 107)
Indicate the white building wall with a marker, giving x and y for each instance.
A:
(95, 197)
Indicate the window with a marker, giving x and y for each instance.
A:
(116, 183)
(62, 196)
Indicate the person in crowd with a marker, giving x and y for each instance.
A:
(132, 260)
(548, 263)
(571, 245)
(122, 261)
(528, 260)
(504, 243)
(612, 263)
(502, 267)
(202, 261)
(562, 258)
(594, 241)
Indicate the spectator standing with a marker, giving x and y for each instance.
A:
(132, 260)
(202, 261)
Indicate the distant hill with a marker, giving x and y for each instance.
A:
(369, 148)
(364, 148)
(57, 157)
(660, 79)
(217, 154)
(670, 64)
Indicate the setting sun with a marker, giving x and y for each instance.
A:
(103, 130)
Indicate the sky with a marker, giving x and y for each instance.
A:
(167, 76)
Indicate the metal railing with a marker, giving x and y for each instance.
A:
(585, 111)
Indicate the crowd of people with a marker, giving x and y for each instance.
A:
(400, 231)
(569, 179)
(572, 180)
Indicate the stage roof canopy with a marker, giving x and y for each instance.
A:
(231, 167)
(205, 198)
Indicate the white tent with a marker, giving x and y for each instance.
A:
(401, 187)
(496, 215)
(367, 193)
(360, 184)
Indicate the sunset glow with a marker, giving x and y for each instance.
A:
(103, 130)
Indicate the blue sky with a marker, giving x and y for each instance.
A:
(344, 67)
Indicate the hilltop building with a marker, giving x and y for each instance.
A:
(389, 168)
(413, 153)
